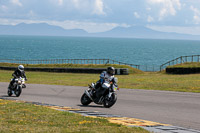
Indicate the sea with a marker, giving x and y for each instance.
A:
(146, 52)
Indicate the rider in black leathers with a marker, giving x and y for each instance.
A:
(18, 73)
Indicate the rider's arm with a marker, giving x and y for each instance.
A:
(102, 77)
(24, 75)
(14, 74)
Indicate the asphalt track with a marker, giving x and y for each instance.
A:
(175, 108)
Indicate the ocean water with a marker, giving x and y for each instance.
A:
(150, 52)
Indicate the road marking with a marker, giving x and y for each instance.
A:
(117, 120)
(134, 122)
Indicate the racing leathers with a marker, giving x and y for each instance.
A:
(105, 78)
(17, 73)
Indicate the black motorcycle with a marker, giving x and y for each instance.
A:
(17, 86)
(106, 96)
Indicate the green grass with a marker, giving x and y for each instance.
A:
(23, 117)
(136, 80)
(149, 81)
(162, 81)
(186, 65)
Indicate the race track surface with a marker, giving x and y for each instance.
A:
(175, 108)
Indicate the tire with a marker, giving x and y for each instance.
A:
(109, 102)
(85, 100)
(9, 92)
(18, 91)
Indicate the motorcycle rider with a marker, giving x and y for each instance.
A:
(18, 73)
(105, 77)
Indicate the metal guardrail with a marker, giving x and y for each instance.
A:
(180, 60)
(151, 68)
(67, 61)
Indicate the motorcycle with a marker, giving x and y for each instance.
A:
(108, 97)
(17, 86)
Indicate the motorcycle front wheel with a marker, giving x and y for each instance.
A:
(18, 91)
(85, 100)
(109, 102)
(9, 92)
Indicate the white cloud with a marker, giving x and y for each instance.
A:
(195, 10)
(136, 15)
(32, 15)
(168, 7)
(90, 27)
(148, 9)
(76, 3)
(60, 2)
(98, 7)
(16, 2)
(150, 19)
(4, 8)
(196, 17)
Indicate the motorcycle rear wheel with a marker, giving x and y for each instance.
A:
(85, 100)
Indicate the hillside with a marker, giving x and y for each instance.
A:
(43, 29)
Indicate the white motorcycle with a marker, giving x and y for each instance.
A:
(108, 97)
(17, 86)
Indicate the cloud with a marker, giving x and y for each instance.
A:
(32, 15)
(102, 13)
(136, 15)
(3, 8)
(16, 2)
(196, 16)
(89, 7)
(98, 7)
(166, 7)
(150, 19)
(76, 3)
(60, 2)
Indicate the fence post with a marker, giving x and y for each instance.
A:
(192, 58)
(181, 59)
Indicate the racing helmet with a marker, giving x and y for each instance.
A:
(111, 70)
(21, 67)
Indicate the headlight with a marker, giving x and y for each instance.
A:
(19, 82)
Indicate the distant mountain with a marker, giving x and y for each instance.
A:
(43, 29)
(143, 32)
(39, 29)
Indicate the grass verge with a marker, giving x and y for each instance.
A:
(150, 81)
(24, 117)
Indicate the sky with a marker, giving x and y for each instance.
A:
(181, 16)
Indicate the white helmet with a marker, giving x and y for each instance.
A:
(21, 67)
